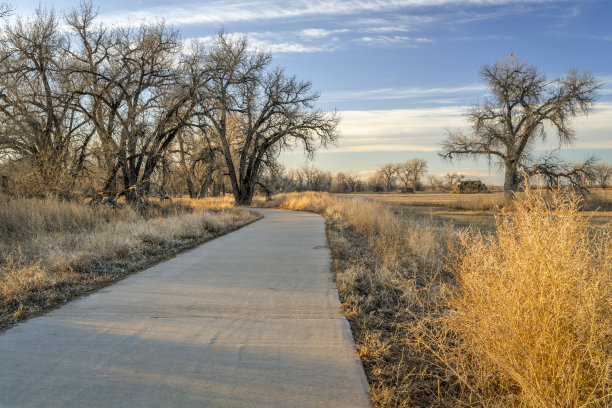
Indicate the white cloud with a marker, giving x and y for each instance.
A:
(394, 40)
(402, 93)
(219, 11)
(283, 47)
(385, 29)
(276, 42)
(594, 131)
(424, 129)
(317, 33)
(397, 129)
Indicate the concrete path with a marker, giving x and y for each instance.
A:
(250, 319)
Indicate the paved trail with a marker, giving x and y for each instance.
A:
(250, 319)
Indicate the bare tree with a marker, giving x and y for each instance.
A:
(452, 179)
(199, 161)
(602, 173)
(273, 180)
(522, 103)
(346, 183)
(317, 179)
(5, 10)
(37, 103)
(387, 175)
(411, 172)
(138, 95)
(435, 183)
(275, 112)
(554, 172)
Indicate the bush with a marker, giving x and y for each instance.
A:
(531, 322)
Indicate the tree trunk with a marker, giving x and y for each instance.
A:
(205, 183)
(245, 193)
(512, 178)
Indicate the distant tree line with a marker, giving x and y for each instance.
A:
(409, 176)
(137, 110)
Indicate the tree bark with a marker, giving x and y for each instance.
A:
(512, 177)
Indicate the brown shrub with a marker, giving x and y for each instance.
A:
(531, 322)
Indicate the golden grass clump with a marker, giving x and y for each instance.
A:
(306, 201)
(531, 322)
(208, 203)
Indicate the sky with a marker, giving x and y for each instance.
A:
(401, 73)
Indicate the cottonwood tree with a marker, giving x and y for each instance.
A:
(602, 173)
(410, 172)
(387, 175)
(435, 183)
(275, 111)
(274, 180)
(200, 161)
(140, 93)
(522, 104)
(37, 103)
(5, 10)
(346, 183)
(316, 179)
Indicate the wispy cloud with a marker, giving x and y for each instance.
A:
(594, 131)
(278, 42)
(387, 40)
(402, 93)
(571, 12)
(317, 33)
(218, 12)
(397, 129)
(599, 37)
(424, 129)
(490, 37)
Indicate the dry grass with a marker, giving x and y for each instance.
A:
(522, 317)
(531, 323)
(52, 251)
(479, 210)
(208, 203)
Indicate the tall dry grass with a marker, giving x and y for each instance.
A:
(481, 202)
(521, 317)
(531, 322)
(208, 203)
(52, 250)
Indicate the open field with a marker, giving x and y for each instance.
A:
(475, 210)
(52, 251)
(443, 318)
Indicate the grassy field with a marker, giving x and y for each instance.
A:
(474, 210)
(445, 318)
(52, 251)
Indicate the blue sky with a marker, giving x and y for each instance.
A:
(400, 72)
